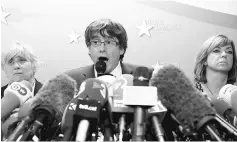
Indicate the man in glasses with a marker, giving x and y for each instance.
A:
(105, 39)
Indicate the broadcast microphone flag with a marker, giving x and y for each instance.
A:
(14, 96)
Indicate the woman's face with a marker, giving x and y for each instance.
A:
(18, 69)
(220, 59)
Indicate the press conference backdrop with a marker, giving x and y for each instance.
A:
(179, 29)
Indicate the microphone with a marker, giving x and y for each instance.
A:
(24, 110)
(224, 110)
(178, 94)
(108, 119)
(100, 66)
(88, 113)
(81, 119)
(228, 93)
(47, 107)
(14, 96)
(223, 103)
(134, 96)
(108, 80)
(67, 126)
(122, 114)
(156, 115)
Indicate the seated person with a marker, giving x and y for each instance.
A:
(108, 39)
(216, 65)
(19, 64)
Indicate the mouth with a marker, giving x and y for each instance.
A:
(17, 73)
(105, 59)
(222, 62)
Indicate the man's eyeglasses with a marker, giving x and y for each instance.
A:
(107, 43)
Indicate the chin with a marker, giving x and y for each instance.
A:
(224, 70)
(17, 80)
(20, 79)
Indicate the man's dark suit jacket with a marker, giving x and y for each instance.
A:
(38, 85)
(83, 73)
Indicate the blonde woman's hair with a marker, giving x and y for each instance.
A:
(207, 47)
(20, 50)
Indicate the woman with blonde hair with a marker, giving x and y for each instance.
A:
(19, 64)
(215, 65)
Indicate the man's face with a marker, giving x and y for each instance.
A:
(109, 48)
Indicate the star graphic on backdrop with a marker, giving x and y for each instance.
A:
(158, 65)
(73, 37)
(4, 15)
(144, 29)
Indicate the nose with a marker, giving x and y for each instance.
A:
(16, 65)
(223, 54)
(102, 48)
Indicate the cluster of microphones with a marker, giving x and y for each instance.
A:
(164, 106)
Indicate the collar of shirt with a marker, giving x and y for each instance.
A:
(33, 88)
(116, 72)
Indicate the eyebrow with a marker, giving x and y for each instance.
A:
(95, 36)
(229, 47)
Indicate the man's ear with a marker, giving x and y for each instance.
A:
(90, 55)
(122, 51)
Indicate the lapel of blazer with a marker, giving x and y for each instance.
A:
(126, 69)
(89, 72)
(38, 85)
(2, 90)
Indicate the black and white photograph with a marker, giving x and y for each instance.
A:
(118, 70)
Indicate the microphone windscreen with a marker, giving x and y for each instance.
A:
(56, 93)
(177, 93)
(141, 76)
(100, 66)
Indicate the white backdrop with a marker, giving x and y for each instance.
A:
(179, 29)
